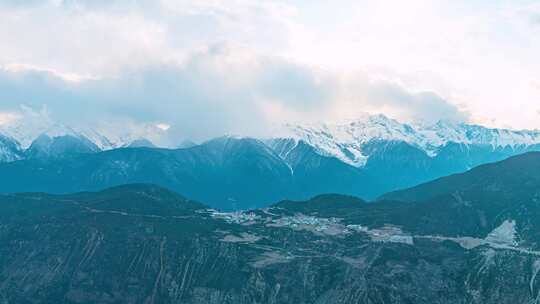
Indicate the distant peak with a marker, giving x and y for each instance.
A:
(345, 140)
(229, 138)
(186, 143)
(141, 143)
(58, 130)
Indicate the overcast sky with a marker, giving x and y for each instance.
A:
(206, 68)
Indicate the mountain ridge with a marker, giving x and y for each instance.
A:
(241, 172)
(525, 162)
(345, 140)
(291, 167)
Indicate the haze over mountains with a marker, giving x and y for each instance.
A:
(468, 238)
(365, 158)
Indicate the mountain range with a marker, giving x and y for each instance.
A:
(366, 157)
(466, 238)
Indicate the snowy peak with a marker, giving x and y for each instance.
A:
(27, 131)
(100, 140)
(54, 144)
(106, 134)
(141, 143)
(46, 138)
(59, 139)
(58, 130)
(282, 146)
(441, 133)
(345, 141)
(10, 149)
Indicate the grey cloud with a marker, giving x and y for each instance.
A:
(213, 93)
(426, 106)
(200, 99)
(293, 85)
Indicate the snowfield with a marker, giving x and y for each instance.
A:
(346, 141)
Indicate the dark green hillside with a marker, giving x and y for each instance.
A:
(145, 244)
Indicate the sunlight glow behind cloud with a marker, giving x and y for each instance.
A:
(163, 126)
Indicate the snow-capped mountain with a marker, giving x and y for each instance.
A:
(346, 141)
(353, 142)
(26, 133)
(50, 144)
(365, 157)
(9, 149)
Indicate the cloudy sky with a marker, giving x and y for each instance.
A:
(203, 68)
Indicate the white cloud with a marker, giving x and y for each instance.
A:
(535, 84)
(8, 117)
(241, 62)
